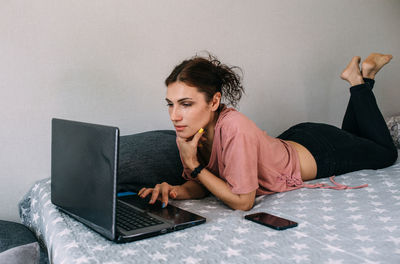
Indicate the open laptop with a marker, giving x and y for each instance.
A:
(84, 171)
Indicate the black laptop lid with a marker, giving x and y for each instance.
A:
(84, 161)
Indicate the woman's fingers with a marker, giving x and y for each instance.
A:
(141, 191)
(164, 194)
(144, 192)
(197, 136)
(155, 193)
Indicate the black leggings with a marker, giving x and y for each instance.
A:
(364, 142)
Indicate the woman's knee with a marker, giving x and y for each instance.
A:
(391, 156)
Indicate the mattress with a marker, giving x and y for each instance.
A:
(335, 226)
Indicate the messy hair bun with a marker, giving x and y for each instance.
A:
(209, 76)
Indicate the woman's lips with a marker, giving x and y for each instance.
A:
(179, 128)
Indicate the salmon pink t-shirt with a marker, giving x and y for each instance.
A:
(248, 159)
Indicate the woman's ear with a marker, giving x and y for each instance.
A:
(216, 101)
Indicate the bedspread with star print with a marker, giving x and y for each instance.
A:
(347, 226)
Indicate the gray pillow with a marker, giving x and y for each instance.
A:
(13, 235)
(148, 158)
(393, 124)
(25, 254)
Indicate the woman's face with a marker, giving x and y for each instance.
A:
(188, 109)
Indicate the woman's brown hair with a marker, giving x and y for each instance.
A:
(209, 76)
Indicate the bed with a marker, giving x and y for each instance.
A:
(346, 226)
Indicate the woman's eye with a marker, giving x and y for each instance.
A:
(186, 105)
(169, 104)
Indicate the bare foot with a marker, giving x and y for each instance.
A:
(352, 72)
(373, 63)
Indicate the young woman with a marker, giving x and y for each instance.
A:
(225, 153)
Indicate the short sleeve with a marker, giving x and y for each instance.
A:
(240, 159)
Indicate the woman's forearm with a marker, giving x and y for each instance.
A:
(191, 190)
(221, 190)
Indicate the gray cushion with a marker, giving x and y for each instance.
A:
(148, 158)
(393, 124)
(13, 235)
(25, 254)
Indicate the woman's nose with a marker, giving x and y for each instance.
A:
(175, 114)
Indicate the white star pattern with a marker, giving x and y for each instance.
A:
(376, 203)
(370, 190)
(363, 238)
(57, 220)
(35, 217)
(328, 218)
(241, 230)
(158, 256)
(368, 250)
(355, 217)
(199, 248)
(64, 232)
(208, 237)
(300, 258)
(170, 244)
(82, 259)
(180, 234)
(216, 228)
(263, 256)
(332, 237)
(329, 227)
(385, 219)
(299, 234)
(146, 242)
(232, 252)
(299, 246)
(270, 233)
(326, 209)
(190, 260)
(70, 245)
(237, 241)
(395, 240)
(268, 243)
(334, 261)
(390, 228)
(353, 209)
(358, 227)
(379, 210)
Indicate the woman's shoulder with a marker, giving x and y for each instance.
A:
(232, 120)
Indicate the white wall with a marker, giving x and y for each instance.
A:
(105, 62)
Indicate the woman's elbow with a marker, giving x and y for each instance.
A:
(246, 206)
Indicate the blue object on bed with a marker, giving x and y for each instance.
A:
(350, 226)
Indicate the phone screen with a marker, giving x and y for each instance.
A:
(272, 221)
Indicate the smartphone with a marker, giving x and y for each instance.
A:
(272, 221)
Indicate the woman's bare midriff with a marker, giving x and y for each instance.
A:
(308, 166)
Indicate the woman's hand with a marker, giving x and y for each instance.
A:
(162, 192)
(188, 149)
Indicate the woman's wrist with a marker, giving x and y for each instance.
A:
(194, 165)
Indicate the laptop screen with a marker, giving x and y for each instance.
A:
(84, 161)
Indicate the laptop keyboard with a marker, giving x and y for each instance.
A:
(129, 218)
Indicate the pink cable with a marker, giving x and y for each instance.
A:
(337, 186)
